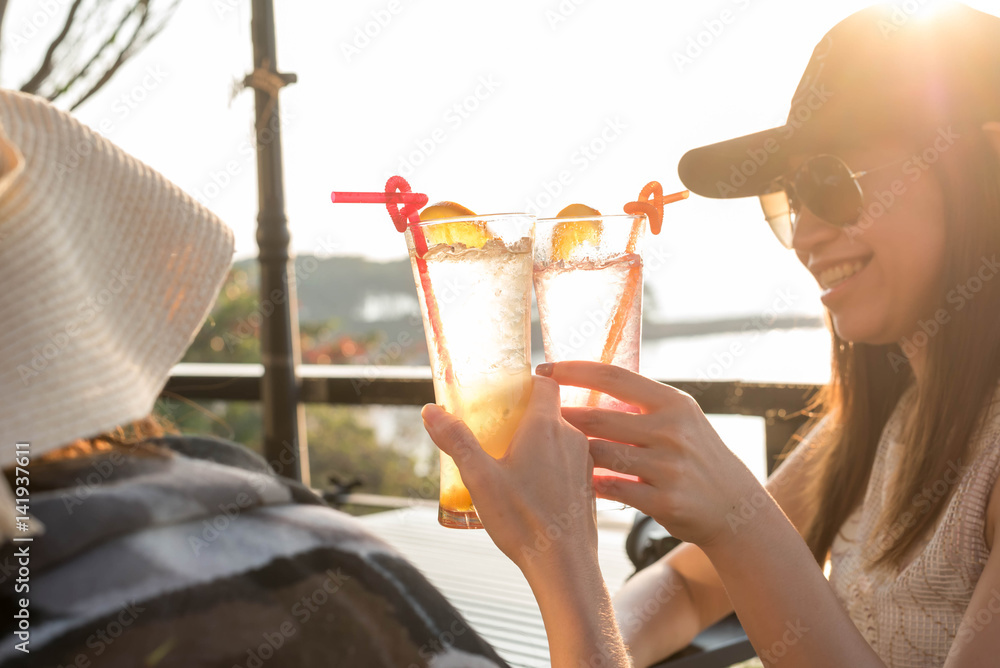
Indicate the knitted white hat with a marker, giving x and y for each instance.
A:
(107, 270)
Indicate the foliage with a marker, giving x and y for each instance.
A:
(343, 446)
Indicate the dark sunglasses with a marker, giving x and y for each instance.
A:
(825, 185)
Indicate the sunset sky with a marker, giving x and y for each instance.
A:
(512, 106)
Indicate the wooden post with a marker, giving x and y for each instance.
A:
(284, 417)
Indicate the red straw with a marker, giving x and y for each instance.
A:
(620, 316)
(650, 203)
(378, 198)
(397, 192)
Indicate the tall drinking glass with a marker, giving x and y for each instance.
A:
(473, 278)
(588, 282)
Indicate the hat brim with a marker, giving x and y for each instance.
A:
(742, 167)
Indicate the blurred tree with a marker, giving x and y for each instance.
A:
(230, 334)
(342, 446)
(342, 443)
(96, 38)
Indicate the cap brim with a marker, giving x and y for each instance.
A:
(741, 167)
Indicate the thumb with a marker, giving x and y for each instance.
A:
(456, 440)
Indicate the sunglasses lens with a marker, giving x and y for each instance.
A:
(778, 212)
(827, 188)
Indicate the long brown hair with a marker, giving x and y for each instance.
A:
(59, 468)
(129, 436)
(961, 376)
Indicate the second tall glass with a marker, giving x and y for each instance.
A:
(473, 277)
(588, 282)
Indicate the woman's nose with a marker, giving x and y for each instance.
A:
(810, 231)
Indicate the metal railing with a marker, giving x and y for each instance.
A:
(780, 405)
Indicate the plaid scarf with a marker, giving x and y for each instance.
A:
(188, 552)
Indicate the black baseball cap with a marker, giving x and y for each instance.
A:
(906, 70)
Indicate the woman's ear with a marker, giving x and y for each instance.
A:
(992, 132)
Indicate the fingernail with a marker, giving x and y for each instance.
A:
(430, 414)
(544, 369)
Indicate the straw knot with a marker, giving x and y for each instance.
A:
(398, 211)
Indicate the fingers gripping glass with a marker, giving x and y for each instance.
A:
(825, 185)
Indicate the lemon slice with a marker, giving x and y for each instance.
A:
(470, 233)
(566, 237)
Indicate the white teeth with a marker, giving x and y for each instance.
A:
(835, 275)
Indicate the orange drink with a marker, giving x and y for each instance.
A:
(474, 278)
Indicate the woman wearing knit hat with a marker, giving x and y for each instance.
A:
(139, 549)
(885, 181)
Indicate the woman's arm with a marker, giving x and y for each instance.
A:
(663, 607)
(694, 486)
(537, 504)
(576, 608)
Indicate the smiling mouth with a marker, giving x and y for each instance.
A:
(837, 274)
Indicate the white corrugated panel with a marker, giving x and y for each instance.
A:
(485, 586)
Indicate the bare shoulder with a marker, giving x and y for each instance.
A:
(789, 482)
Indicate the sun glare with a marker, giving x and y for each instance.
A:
(926, 11)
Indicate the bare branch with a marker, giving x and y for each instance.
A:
(32, 85)
(3, 12)
(123, 55)
(96, 39)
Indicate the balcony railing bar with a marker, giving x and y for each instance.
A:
(780, 405)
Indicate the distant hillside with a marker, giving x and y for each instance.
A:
(340, 289)
(337, 287)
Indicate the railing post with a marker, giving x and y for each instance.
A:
(284, 417)
(778, 431)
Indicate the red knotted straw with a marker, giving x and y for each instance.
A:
(403, 207)
(650, 203)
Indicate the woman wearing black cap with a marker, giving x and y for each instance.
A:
(886, 182)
